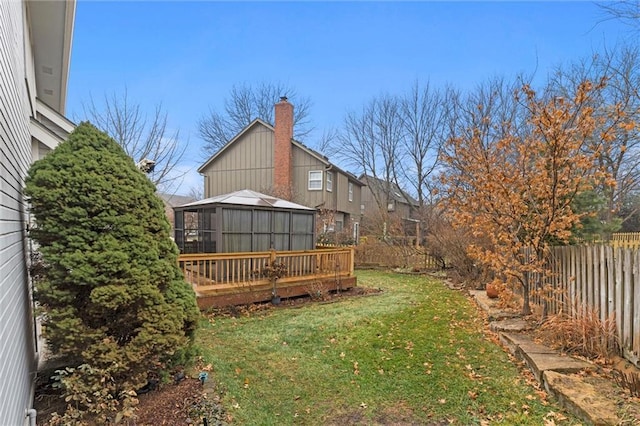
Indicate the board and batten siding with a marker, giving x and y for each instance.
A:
(17, 343)
(246, 164)
(343, 204)
(303, 163)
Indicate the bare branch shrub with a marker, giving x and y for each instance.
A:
(317, 291)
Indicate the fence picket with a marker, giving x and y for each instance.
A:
(619, 289)
(611, 307)
(601, 278)
(627, 331)
(636, 304)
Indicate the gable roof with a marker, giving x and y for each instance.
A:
(174, 199)
(246, 197)
(395, 192)
(258, 121)
(232, 141)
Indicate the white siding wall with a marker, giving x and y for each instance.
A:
(17, 348)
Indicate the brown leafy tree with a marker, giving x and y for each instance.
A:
(515, 192)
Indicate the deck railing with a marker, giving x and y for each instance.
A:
(211, 271)
(625, 240)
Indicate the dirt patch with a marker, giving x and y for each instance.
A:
(604, 380)
(398, 415)
(184, 402)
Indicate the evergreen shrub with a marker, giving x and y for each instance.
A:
(113, 297)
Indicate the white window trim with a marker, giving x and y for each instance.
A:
(350, 191)
(329, 181)
(311, 172)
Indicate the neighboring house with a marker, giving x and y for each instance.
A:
(170, 201)
(35, 46)
(382, 201)
(267, 159)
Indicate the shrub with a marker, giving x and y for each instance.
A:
(317, 291)
(451, 246)
(113, 296)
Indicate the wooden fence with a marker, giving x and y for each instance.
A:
(625, 240)
(603, 278)
(393, 256)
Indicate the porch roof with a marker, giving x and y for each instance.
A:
(247, 197)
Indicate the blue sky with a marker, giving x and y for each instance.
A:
(187, 55)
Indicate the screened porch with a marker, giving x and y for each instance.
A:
(244, 221)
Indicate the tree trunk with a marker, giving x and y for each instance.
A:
(526, 307)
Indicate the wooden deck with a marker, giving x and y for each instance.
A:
(222, 279)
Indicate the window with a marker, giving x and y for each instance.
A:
(350, 191)
(329, 181)
(315, 180)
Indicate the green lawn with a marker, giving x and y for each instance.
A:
(413, 354)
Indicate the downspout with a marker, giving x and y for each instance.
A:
(32, 414)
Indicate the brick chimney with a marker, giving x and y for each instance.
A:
(282, 161)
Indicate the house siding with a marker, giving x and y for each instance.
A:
(303, 163)
(246, 164)
(343, 203)
(369, 203)
(17, 343)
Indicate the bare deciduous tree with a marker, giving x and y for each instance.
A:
(425, 113)
(244, 104)
(371, 142)
(490, 111)
(196, 192)
(627, 11)
(619, 155)
(327, 143)
(142, 136)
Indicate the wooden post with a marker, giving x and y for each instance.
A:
(352, 260)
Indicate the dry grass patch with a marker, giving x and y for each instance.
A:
(585, 335)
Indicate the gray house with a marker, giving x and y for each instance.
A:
(35, 46)
(267, 159)
(386, 203)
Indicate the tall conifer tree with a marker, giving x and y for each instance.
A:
(113, 295)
